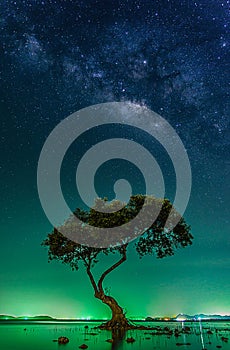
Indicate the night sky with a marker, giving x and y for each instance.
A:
(60, 56)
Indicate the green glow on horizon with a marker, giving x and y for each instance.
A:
(163, 295)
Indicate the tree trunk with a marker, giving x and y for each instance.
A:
(118, 320)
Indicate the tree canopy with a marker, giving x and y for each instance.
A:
(156, 240)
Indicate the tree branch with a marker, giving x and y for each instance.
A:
(92, 279)
(110, 269)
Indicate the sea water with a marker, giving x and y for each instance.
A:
(39, 336)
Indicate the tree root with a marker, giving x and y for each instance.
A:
(116, 324)
(123, 325)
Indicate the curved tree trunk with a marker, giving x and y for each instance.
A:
(118, 319)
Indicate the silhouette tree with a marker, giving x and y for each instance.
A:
(157, 240)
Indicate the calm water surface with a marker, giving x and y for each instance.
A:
(39, 336)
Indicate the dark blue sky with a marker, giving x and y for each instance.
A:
(58, 57)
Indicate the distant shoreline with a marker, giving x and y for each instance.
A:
(55, 321)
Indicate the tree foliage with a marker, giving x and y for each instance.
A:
(156, 240)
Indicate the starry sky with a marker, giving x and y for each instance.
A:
(57, 57)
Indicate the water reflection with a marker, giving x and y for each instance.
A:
(165, 336)
(201, 335)
(117, 336)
